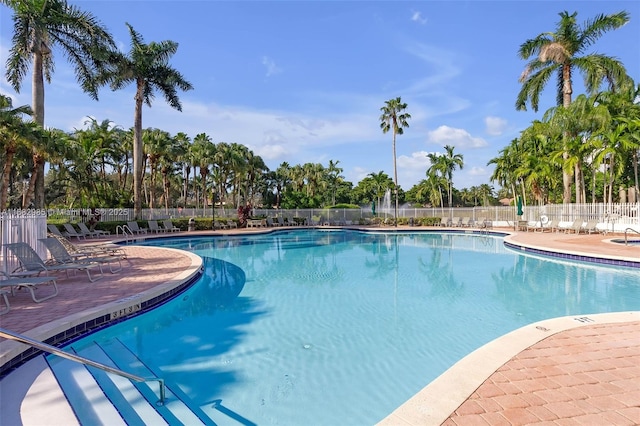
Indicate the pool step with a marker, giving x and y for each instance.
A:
(177, 403)
(98, 397)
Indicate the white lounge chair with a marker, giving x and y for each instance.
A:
(28, 283)
(70, 231)
(169, 227)
(591, 226)
(31, 264)
(101, 249)
(135, 228)
(95, 233)
(61, 255)
(576, 226)
(155, 227)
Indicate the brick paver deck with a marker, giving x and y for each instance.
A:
(584, 376)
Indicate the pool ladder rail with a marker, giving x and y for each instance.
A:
(77, 358)
(126, 232)
(626, 242)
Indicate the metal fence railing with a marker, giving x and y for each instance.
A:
(29, 225)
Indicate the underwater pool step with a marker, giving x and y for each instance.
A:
(88, 401)
(98, 397)
(178, 407)
(131, 399)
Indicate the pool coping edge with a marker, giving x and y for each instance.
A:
(441, 397)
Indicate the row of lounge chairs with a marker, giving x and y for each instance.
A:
(578, 226)
(465, 222)
(270, 222)
(64, 257)
(153, 226)
(84, 232)
(81, 233)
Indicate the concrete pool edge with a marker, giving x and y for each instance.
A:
(440, 398)
(574, 255)
(11, 351)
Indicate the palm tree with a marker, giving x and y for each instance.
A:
(380, 182)
(38, 27)
(444, 165)
(185, 159)
(282, 180)
(335, 178)
(435, 176)
(203, 151)
(12, 132)
(556, 54)
(156, 145)
(393, 118)
(450, 162)
(147, 65)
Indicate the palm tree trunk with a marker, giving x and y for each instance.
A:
(38, 116)
(566, 181)
(26, 201)
(4, 185)
(137, 155)
(395, 177)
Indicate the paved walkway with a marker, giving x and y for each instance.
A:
(588, 375)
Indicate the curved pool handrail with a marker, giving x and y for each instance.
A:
(625, 234)
(82, 360)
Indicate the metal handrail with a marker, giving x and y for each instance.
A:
(625, 234)
(124, 229)
(76, 358)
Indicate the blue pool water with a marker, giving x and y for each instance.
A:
(335, 327)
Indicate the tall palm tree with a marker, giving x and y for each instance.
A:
(184, 142)
(156, 145)
(444, 165)
(435, 178)
(38, 27)
(146, 65)
(282, 180)
(203, 150)
(450, 162)
(557, 53)
(395, 119)
(335, 178)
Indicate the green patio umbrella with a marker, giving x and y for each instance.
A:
(519, 204)
(373, 207)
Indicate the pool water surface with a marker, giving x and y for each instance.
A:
(329, 327)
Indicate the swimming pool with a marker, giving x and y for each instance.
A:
(341, 327)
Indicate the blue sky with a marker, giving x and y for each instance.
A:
(303, 81)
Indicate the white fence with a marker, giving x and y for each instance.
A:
(21, 226)
(29, 225)
(614, 217)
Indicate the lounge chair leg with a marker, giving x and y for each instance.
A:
(33, 294)
(7, 307)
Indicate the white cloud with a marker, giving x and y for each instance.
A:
(459, 138)
(272, 68)
(417, 17)
(417, 160)
(412, 168)
(477, 171)
(495, 125)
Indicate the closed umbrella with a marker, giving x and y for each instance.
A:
(373, 207)
(519, 203)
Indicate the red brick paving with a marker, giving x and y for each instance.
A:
(144, 269)
(585, 376)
